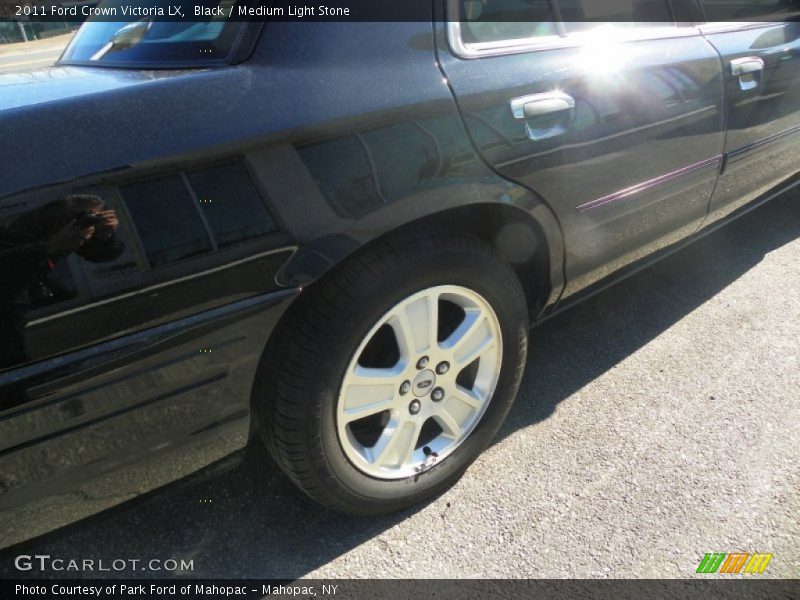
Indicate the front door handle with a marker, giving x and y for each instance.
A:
(546, 115)
(746, 69)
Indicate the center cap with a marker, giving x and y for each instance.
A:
(423, 383)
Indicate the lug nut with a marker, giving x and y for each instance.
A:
(442, 368)
(414, 407)
(423, 362)
(405, 387)
(437, 394)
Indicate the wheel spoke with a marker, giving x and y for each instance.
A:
(471, 338)
(416, 325)
(368, 377)
(366, 410)
(451, 426)
(466, 397)
(433, 320)
(407, 442)
(396, 444)
(368, 391)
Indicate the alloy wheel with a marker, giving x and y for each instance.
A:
(419, 382)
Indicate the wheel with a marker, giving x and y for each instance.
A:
(390, 376)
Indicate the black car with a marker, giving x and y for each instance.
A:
(333, 237)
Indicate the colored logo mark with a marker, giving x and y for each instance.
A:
(734, 562)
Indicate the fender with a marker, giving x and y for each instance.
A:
(315, 258)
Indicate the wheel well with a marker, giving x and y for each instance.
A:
(516, 237)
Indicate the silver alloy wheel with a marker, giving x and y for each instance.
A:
(395, 421)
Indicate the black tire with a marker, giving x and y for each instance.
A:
(296, 391)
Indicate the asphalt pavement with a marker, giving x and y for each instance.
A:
(657, 421)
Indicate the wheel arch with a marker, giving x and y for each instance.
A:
(528, 238)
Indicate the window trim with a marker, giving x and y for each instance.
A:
(466, 50)
(728, 26)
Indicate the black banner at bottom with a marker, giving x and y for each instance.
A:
(418, 589)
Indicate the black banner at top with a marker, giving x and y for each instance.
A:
(601, 11)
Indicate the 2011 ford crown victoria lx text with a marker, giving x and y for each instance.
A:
(333, 238)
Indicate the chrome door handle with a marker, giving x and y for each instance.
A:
(748, 64)
(745, 69)
(551, 104)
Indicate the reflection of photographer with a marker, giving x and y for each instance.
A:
(30, 248)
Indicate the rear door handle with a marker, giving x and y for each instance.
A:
(745, 69)
(557, 105)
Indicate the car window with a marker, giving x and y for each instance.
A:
(150, 42)
(581, 15)
(495, 20)
(500, 20)
(748, 10)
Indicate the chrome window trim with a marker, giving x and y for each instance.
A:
(464, 50)
(725, 26)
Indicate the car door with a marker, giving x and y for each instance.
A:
(617, 126)
(761, 64)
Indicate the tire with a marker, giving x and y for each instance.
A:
(311, 381)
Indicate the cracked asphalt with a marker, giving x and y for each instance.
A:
(657, 421)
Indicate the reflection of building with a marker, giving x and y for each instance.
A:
(27, 28)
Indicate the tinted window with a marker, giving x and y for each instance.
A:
(168, 224)
(749, 10)
(496, 20)
(583, 13)
(231, 204)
